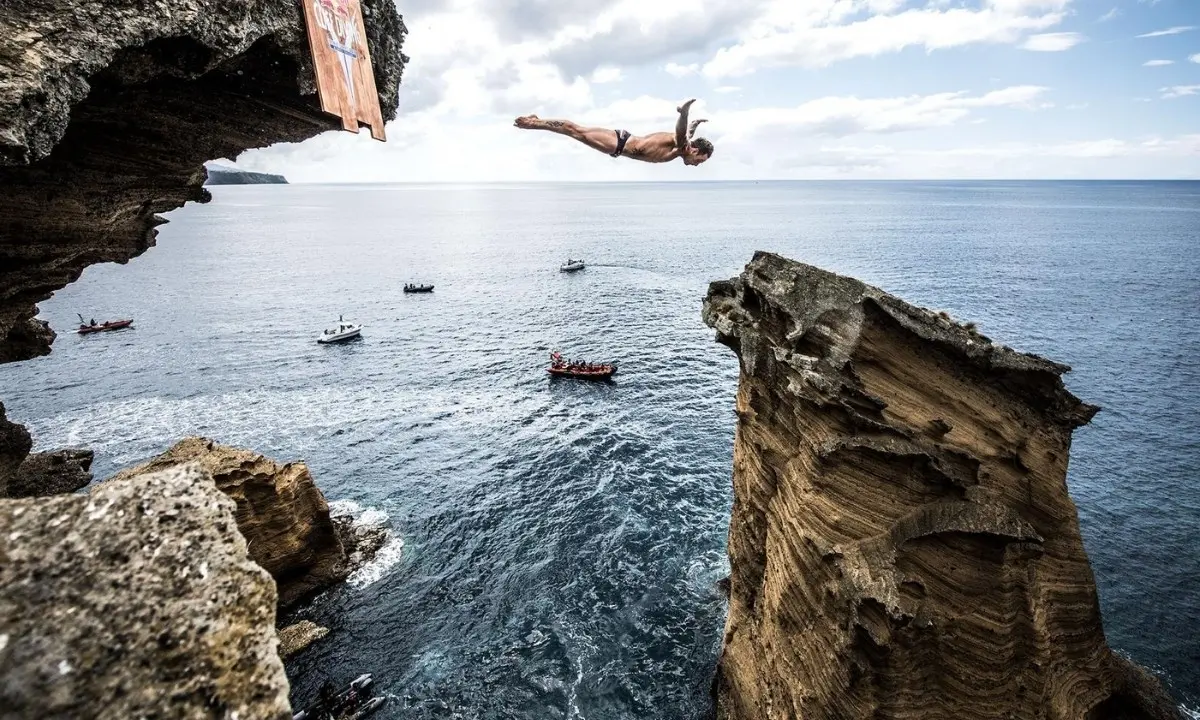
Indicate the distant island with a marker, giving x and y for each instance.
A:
(223, 175)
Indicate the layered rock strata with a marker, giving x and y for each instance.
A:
(280, 511)
(902, 543)
(138, 600)
(109, 109)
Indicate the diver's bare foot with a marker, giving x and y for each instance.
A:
(685, 106)
(527, 121)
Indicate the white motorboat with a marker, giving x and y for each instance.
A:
(344, 331)
(571, 266)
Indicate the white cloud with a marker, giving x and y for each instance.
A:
(606, 75)
(1108, 157)
(476, 64)
(1109, 15)
(845, 116)
(1178, 29)
(812, 34)
(681, 70)
(1157, 63)
(1052, 42)
(1195, 58)
(1178, 91)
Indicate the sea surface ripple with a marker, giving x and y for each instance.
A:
(558, 542)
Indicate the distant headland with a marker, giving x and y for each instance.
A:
(224, 175)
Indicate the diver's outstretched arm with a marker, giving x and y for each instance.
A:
(681, 125)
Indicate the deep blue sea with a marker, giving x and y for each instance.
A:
(557, 542)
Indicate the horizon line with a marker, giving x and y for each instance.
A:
(702, 182)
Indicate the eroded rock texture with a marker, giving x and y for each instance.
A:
(52, 473)
(902, 542)
(137, 600)
(280, 511)
(45, 473)
(109, 108)
(298, 636)
(15, 444)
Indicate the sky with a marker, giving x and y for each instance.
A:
(790, 89)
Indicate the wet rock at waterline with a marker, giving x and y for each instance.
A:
(298, 636)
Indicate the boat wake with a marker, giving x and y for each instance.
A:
(369, 523)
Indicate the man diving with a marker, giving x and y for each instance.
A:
(659, 147)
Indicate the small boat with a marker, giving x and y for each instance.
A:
(344, 331)
(366, 709)
(86, 328)
(571, 265)
(410, 288)
(348, 704)
(579, 369)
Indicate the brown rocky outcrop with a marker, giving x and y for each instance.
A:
(298, 636)
(137, 600)
(52, 473)
(109, 108)
(44, 473)
(280, 511)
(15, 444)
(902, 544)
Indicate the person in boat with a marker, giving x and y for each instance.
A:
(93, 323)
(659, 147)
(327, 695)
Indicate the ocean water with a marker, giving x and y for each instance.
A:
(557, 543)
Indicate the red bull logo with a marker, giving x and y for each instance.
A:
(342, 63)
(340, 23)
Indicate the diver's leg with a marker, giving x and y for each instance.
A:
(601, 139)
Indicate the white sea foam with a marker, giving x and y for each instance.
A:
(388, 556)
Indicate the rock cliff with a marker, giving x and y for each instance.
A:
(109, 108)
(902, 543)
(280, 511)
(137, 600)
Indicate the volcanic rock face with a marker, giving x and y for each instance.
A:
(902, 542)
(52, 473)
(46, 473)
(14, 447)
(109, 108)
(135, 601)
(298, 636)
(280, 511)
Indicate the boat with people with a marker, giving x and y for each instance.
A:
(344, 331)
(571, 265)
(411, 288)
(87, 328)
(350, 704)
(581, 369)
